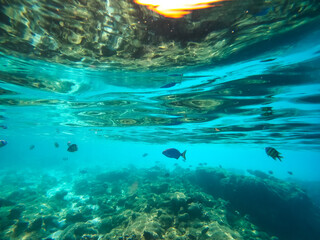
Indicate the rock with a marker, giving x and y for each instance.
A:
(158, 189)
(5, 223)
(60, 195)
(166, 220)
(20, 227)
(183, 217)
(105, 225)
(35, 225)
(15, 213)
(195, 210)
(76, 231)
(5, 202)
(50, 222)
(143, 226)
(178, 200)
(80, 216)
(278, 207)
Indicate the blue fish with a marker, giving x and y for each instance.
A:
(272, 152)
(174, 153)
(3, 143)
(169, 85)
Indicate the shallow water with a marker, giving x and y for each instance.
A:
(125, 83)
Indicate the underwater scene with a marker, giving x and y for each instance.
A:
(157, 119)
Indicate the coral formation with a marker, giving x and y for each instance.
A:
(134, 204)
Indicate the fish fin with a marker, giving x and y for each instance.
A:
(184, 155)
(279, 157)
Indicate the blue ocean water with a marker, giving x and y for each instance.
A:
(222, 101)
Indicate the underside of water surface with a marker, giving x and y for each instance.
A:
(94, 92)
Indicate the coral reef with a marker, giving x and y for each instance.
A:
(151, 204)
(274, 205)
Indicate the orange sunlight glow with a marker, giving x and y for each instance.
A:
(176, 8)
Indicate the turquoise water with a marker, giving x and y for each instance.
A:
(223, 91)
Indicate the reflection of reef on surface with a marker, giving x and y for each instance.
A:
(116, 33)
(153, 204)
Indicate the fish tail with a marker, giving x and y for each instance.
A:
(184, 155)
(279, 157)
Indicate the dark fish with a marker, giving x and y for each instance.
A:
(290, 173)
(3, 143)
(32, 147)
(272, 152)
(56, 144)
(3, 127)
(169, 85)
(83, 171)
(174, 153)
(65, 159)
(72, 148)
(145, 154)
(167, 175)
(270, 172)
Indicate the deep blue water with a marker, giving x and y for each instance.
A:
(224, 110)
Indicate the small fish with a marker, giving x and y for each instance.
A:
(83, 171)
(290, 173)
(174, 153)
(56, 144)
(3, 143)
(72, 147)
(270, 172)
(169, 85)
(167, 174)
(32, 147)
(272, 152)
(145, 154)
(3, 127)
(65, 159)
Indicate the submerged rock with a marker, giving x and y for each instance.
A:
(15, 213)
(35, 225)
(20, 227)
(5, 203)
(76, 231)
(276, 206)
(195, 210)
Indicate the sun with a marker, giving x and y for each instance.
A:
(176, 8)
